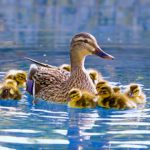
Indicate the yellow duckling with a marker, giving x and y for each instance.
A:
(94, 75)
(10, 82)
(18, 75)
(109, 99)
(117, 89)
(100, 84)
(134, 93)
(81, 99)
(66, 67)
(9, 90)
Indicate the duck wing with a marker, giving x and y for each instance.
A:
(43, 75)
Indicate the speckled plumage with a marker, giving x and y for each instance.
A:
(59, 82)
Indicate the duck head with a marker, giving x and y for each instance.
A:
(86, 44)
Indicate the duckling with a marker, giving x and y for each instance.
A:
(100, 84)
(134, 93)
(81, 99)
(109, 99)
(10, 82)
(18, 75)
(94, 75)
(66, 67)
(116, 89)
(9, 91)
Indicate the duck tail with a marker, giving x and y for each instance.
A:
(39, 63)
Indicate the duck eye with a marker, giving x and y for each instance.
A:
(85, 41)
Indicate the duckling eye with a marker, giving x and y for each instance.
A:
(85, 41)
(104, 92)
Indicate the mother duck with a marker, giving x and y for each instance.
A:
(53, 84)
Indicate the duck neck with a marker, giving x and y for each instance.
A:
(77, 61)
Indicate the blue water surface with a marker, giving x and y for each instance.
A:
(33, 124)
(42, 30)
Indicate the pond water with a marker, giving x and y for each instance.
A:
(42, 30)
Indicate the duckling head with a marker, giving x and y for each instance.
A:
(21, 77)
(116, 89)
(135, 90)
(7, 92)
(66, 67)
(84, 44)
(74, 94)
(100, 84)
(105, 92)
(94, 75)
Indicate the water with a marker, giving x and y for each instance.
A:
(29, 124)
(41, 125)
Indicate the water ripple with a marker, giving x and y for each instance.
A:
(130, 132)
(20, 131)
(30, 140)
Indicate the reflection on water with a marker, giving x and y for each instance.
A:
(42, 29)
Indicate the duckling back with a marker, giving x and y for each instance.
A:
(17, 75)
(10, 82)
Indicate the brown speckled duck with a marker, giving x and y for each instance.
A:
(53, 84)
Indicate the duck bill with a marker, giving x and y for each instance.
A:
(99, 52)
